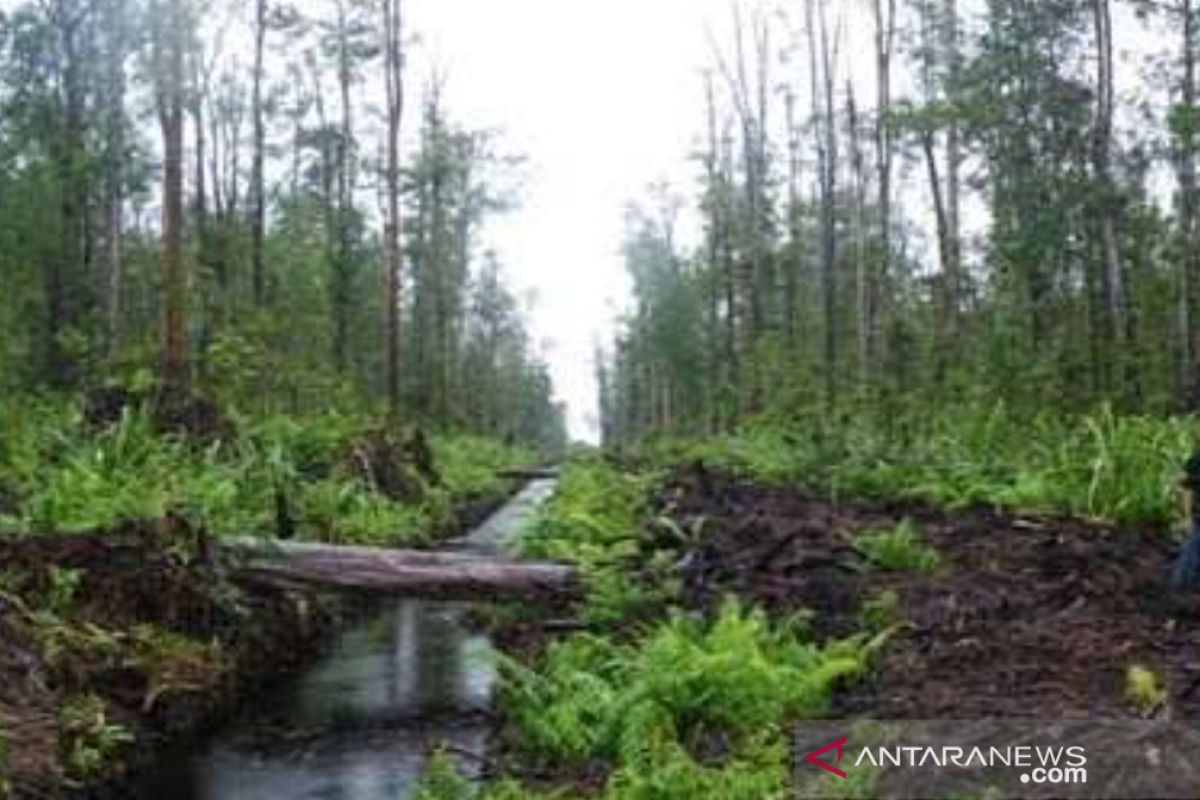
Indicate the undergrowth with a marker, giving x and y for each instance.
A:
(57, 474)
(594, 520)
(899, 548)
(689, 709)
(668, 705)
(1117, 467)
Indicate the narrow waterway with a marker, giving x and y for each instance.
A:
(360, 723)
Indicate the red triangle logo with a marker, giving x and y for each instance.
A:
(814, 757)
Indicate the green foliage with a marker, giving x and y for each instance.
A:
(468, 465)
(63, 587)
(67, 477)
(898, 549)
(881, 611)
(627, 704)
(340, 511)
(1106, 465)
(441, 781)
(1144, 689)
(88, 738)
(594, 520)
(669, 772)
(594, 515)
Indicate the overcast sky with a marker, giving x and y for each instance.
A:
(603, 98)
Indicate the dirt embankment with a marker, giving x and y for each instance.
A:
(113, 643)
(1027, 616)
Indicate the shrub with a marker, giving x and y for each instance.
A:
(1118, 467)
(595, 699)
(1143, 689)
(898, 549)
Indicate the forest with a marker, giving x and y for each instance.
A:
(892, 425)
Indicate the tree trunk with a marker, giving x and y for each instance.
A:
(170, 113)
(885, 35)
(403, 573)
(1114, 273)
(954, 275)
(114, 134)
(258, 227)
(822, 65)
(394, 79)
(1189, 210)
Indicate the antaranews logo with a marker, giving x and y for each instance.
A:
(815, 757)
(1020, 758)
(933, 762)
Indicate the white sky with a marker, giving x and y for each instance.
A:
(603, 98)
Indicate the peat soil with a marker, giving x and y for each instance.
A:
(152, 633)
(1027, 615)
(148, 620)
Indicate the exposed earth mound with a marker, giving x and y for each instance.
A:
(1025, 615)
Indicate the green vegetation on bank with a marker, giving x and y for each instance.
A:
(650, 708)
(60, 473)
(1106, 465)
(595, 521)
(660, 702)
(899, 548)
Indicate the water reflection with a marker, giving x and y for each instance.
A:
(360, 724)
(413, 661)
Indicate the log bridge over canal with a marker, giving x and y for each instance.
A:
(435, 574)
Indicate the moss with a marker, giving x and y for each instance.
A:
(1144, 689)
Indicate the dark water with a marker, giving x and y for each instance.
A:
(359, 725)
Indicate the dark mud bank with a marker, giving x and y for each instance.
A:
(119, 646)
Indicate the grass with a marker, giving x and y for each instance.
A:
(57, 475)
(1106, 465)
(595, 521)
(899, 549)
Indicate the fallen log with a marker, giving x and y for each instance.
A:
(398, 573)
(535, 474)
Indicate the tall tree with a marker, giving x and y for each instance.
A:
(257, 180)
(171, 22)
(823, 57)
(116, 53)
(393, 54)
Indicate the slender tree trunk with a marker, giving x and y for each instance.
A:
(170, 114)
(750, 102)
(114, 126)
(1189, 213)
(259, 211)
(346, 175)
(946, 296)
(953, 56)
(63, 280)
(1114, 273)
(885, 35)
(394, 80)
(794, 265)
(821, 55)
(712, 203)
(864, 276)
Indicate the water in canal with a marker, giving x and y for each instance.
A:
(360, 723)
